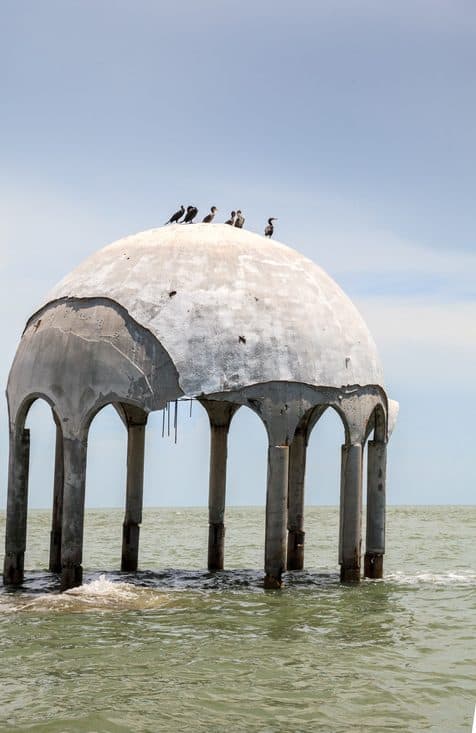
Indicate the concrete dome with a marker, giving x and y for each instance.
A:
(231, 308)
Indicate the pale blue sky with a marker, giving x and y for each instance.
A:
(353, 122)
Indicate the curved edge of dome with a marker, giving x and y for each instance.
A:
(393, 410)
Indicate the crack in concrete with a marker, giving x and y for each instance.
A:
(116, 348)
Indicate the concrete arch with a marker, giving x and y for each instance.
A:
(311, 418)
(128, 410)
(18, 420)
(297, 473)
(18, 486)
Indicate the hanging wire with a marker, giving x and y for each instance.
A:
(176, 420)
(163, 422)
(168, 419)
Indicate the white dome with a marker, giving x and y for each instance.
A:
(231, 308)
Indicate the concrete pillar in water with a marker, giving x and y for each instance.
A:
(17, 506)
(297, 470)
(57, 519)
(375, 536)
(220, 415)
(350, 513)
(75, 453)
(217, 495)
(134, 491)
(276, 515)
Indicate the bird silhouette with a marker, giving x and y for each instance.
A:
(192, 212)
(268, 232)
(209, 217)
(231, 220)
(240, 220)
(175, 217)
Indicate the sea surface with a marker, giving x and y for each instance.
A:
(174, 648)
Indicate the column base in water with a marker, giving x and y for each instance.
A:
(13, 568)
(350, 574)
(216, 546)
(373, 565)
(71, 577)
(272, 583)
(350, 513)
(295, 559)
(276, 515)
(55, 551)
(130, 547)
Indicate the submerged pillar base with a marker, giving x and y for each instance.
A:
(216, 546)
(130, 546)
(13, 568)
(373, 565)
(55, 551)
(295, 558)
(71, 577)
(272, 583)
(350, 573)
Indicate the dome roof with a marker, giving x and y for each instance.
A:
(231, 308)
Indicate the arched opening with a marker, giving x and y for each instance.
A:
(40, 423)
(105, 490)
(20, 469)
(177, 457)
(322, 494)
(246, 490)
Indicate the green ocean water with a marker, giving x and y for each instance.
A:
(175, 648)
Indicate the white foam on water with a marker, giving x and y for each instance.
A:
(6, 607)
(103, 588)
(100, 594)
(462, 578)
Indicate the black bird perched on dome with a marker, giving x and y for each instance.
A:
(175, 217)
(239, 220)
(231, 220)
(268, 232)
(192, 212)
(209, 217)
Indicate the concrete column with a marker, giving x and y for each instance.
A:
(297, 470)
(375, 537)
(350, 513)
(17, 507)
(220, 415)
(217, 495)
(276, 515)
(57, 519)
(75, 452)
(134, 490)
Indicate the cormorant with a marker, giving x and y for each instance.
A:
(192, 212)
(175, 217)
(240, 220)
(231, 220)
(209, 217)
(268, 232)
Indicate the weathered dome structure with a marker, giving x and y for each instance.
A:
(218, 314)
